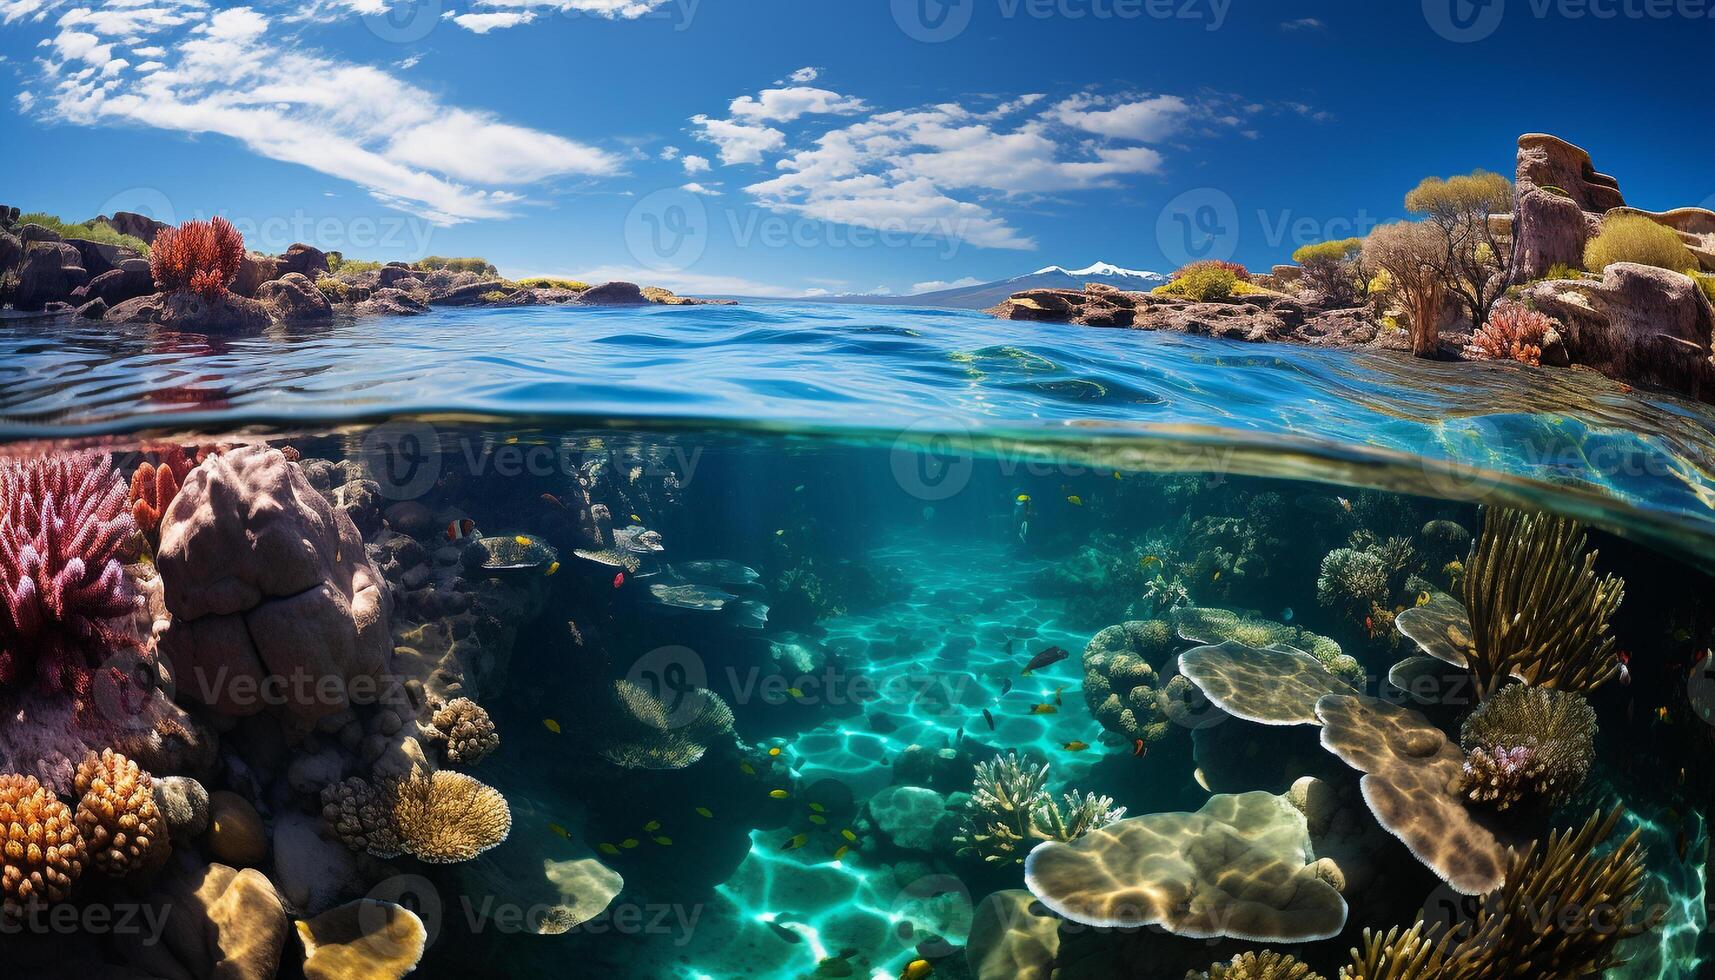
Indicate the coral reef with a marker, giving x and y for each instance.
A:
(1410, 954)
(1240, 867)
(123, 829)
(464, 731)
(363, 940)
(43, 853)
(64, 597)
(201, 257)
(1271, 686)
(1266, 965)
(644, 732)
(1010, 805)
(1123, 684)
(1212, 626)
(359, 817)
(1528, 744)
(442, 818)
(154, 484)
(1513, 332)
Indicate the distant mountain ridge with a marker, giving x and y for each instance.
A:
(984, 295)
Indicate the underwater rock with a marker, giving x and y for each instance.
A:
(314, 874)
(224, 922)
(1640, 323)
(363, 940)
(275, 603)
(184, 804)
(913, 818)
(235, 832)
(1012, 938)
(944, 770)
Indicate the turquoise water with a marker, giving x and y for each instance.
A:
(870, 521)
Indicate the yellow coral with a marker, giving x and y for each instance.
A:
(122, 827)
(41, 852)
(448, 817)
(1266, 965)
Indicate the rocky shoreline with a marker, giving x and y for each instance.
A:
(45, 272)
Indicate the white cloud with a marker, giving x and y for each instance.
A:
(696, 188)
(493, 15)
(936, 285)
(1148, 120)
(787, 104)
(408, 62)
(130, 22)
(805, 76)
(1304, 24)
(739, 142)
(669, 153)
(695, 164)
(150, 51)
(483, 23)
(230, 75)
(14, 10)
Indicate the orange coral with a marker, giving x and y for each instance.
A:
(202, 257)
(155, 484)
(1514, 332)
(122, 826)
(41, 851)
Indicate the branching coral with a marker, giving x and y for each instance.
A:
(1266, 965)
(153, 487)
(122, 827)
(201, 257)
(1354, 578)
(1411, 954)
(1513, 332)
(41, 852)
(1537, 610)
(1528, 744)
(1010, 805)
(464, 731)
(64, 598)
(443, 818)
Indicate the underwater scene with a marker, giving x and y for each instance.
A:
(991, 694)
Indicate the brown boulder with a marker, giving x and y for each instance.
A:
(391, 302)
(143, 309)
(255, 270)
(50, 271)
(33, 232)
(100, 257)
(306, 260)
(11, 251)
(292, 297)
(392, 272)
(135, 225)
(195, 313)
(130, 280)
(1638, 324)
(476, 294)
(613, 294)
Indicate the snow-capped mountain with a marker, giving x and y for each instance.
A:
(984, 295)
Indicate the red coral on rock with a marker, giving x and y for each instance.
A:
(65, 602)
(1514, 332)
(201, 257)
(155, 484)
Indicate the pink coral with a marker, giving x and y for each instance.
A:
(1514, 332)
(65, 603)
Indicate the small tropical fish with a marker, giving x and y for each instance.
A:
(1286, 615)
(559, 831)
(795, 841)
(798, 489)
(1661, 713)
(988, 717)
(779, 794)
(1044, 709)
(1005, 684)
(1075, 746)
(785, 933)
(1625, 659)
(551, 725)
(1217, 577)
(1024, 498)
(775, 751)
(460, 529)
(1423, 598)
(521, 541)
(636, 520)
(652, 826)
(629, 843)
(1075, 500)
(663, 841)
(1139, 747)
(1148, 560)
(1046, 658)
(818, 819)
(795, 692)
(619, 580)
(608, 849)
(552, 501)
(1370, 623)
(819, 808)
(1345, 505)
(552, 568)
(843, 850)
(705, 813)
(781, 533)
(1058, 703)
(747, 768)
(917, 970)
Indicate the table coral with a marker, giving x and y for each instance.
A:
(1275, 685)
(447, 817)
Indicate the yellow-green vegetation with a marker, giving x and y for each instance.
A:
(1706, 282)
(1333, 268)
(435, 263)
(1203, 284)
(550, 282)
(341, 291)
(1630, 237)
(1561, 270)
(338, 263)
(92, 231)
(496, 296)
(1472, 265)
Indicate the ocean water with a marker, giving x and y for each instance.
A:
(749, 594)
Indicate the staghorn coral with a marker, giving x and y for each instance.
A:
(41, 852)
(358, 816)
(1513, 332)
(201, 257)
(447, 817)
(1266, 965)
(64, 598)
(1010, 805)
(464, 731)
(122, 826)
(1537, 610)
(1411, 954)
(1528, 743)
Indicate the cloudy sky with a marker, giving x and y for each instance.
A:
(786, 147)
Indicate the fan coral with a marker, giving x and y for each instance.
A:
(1513, 332)
(1528, 743)
(358, 816)
(448, 817)
(201, 257)
(646, 732)
(1266, 965)
(64, 597)
(464, 731)
(43, 853)
(122, 827)
(1537, 610)
(1010, 804)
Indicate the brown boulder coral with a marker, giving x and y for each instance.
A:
(1240, 867)
(364, 940)
(464, 731)
(41, 852)
(274, 602)
(1528, 744)
(122, 826)
(1412, 774)
(358, 816)
(1123, 683)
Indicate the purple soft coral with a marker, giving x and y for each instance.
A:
(64, 597)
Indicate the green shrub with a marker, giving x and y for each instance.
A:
(1636, 238)
(496, 296)
(1706, 280)
(550, 282)
(435, 263)
(338, 264)
(1340, 250)
(96, 231)
(341, 291)
(1561, 270)
(1202, 284)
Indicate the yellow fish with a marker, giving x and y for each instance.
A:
(795, 842)
(842, 852)
(1217, 577)
(775, 751)
(551, 725)
(559, 830)
(1117, 474)
(1423, 598)
(1148, 560)
(779, 794)
(747, 768)
(1024, 498)
(629, 843)
(848, 835)
(795, 692)
(819, 808)
(522, 541)
(608, 849)
(1044, 709)
(1075, 746)
(663, 841)
(705, 813)
(1075, 500)
(636, 520)
(917, 970)
(818, 819)
(652, 826)
(553, 568)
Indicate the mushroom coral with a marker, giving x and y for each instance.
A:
(1412, 774)
(1528, 743)
(1242, 867)
(122, 826)
(1275, 685)
(1266, 965)
(41, 852)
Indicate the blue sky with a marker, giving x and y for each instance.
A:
(793, 146)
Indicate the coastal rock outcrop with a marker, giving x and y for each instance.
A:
(294, 297)
(1639, 323)
(1257, 318)
(128, 280)
(306, 260)
(49, 273)
(135, 225)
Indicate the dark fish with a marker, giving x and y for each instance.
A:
(785, 933)
(1046, 658)
(552, 501)
(1009, 646)
(1005, 686)
(988, 717)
